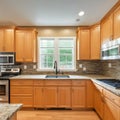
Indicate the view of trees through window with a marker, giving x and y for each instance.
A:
(60, 49)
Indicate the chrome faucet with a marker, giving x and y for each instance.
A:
(55, 67)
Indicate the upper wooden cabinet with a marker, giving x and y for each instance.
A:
(25, 45)
(95, 42)
(107, 29)
(117, 23)
(83, 44)
(7, 39)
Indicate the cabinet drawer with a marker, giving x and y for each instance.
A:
(26, 101)
(64, 83)
(51, 82)
(78, 82)
(114, 98)
(39, 82)
(21, 82)
(15, 90)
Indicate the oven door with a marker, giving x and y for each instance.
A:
(4, 90)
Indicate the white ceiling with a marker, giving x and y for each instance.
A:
(52, 12)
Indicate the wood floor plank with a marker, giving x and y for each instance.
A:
(56, 115)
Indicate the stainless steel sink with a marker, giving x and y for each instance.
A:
(57, 76)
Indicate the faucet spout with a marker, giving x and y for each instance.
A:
(55, 67)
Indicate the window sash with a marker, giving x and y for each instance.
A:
(56, 54)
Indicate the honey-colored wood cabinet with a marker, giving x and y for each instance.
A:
(95, 42)
(111, 106)
(83, 44)
(78, 93)
(117, 23)
(21, 91)
(39, 97)
(7, 39)
(107, 29)
(98, 100)
(89, 94)
(39, 94)
(25, 45)
(52, 93)
(50, 96)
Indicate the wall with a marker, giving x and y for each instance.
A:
(92, 67)
(114, 71)
(56, 31)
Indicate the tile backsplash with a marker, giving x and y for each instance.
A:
(103, 67)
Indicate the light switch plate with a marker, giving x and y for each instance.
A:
(34, 66)
(25, 66)
(109, 65)
(84, 69)
(80, 65)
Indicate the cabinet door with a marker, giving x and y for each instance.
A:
(95, 42)
(25, 100)
(20, 37)
(64, 97)
(28, 46)
(98, 102)
(117, 23)
(90, 94)
(84, 44)
(1, 40)
(50, 97)
(9, 40)
(107, 29)
(38, 97)
(78, 97)
(111, 111)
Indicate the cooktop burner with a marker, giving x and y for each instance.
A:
(112, 82)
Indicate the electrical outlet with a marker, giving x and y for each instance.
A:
(34, 66)
(84, 69)
(109, 65)
(80, 65)
(25, 66)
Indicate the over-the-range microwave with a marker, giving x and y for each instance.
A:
(7, 58)
(110, 50)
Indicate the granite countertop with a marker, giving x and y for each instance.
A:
(7, 110)
(70, 77)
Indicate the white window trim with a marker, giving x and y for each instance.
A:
(56, 48)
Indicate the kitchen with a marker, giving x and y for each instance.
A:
(56, 60)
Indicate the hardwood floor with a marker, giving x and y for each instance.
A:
(57, 115)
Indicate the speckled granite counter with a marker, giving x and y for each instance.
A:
(7, 110)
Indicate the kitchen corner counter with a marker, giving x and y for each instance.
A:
(8, 110)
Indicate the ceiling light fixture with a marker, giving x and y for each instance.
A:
(81, 13)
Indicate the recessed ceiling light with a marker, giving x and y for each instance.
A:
(81, 13)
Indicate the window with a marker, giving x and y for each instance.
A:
(60, 49)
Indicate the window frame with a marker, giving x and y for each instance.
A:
(56, 56)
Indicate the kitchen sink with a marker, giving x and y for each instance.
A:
(112, 82)
(57, 76)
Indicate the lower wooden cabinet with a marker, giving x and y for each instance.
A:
(38, 97)
(21, 91)
(89, 94)
(64, 97)
(98, 101)
(111, 111)
(26, 101)
(50, 97)
(78, 97)
(78, 93)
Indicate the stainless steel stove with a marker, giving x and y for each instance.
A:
(6, 73)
